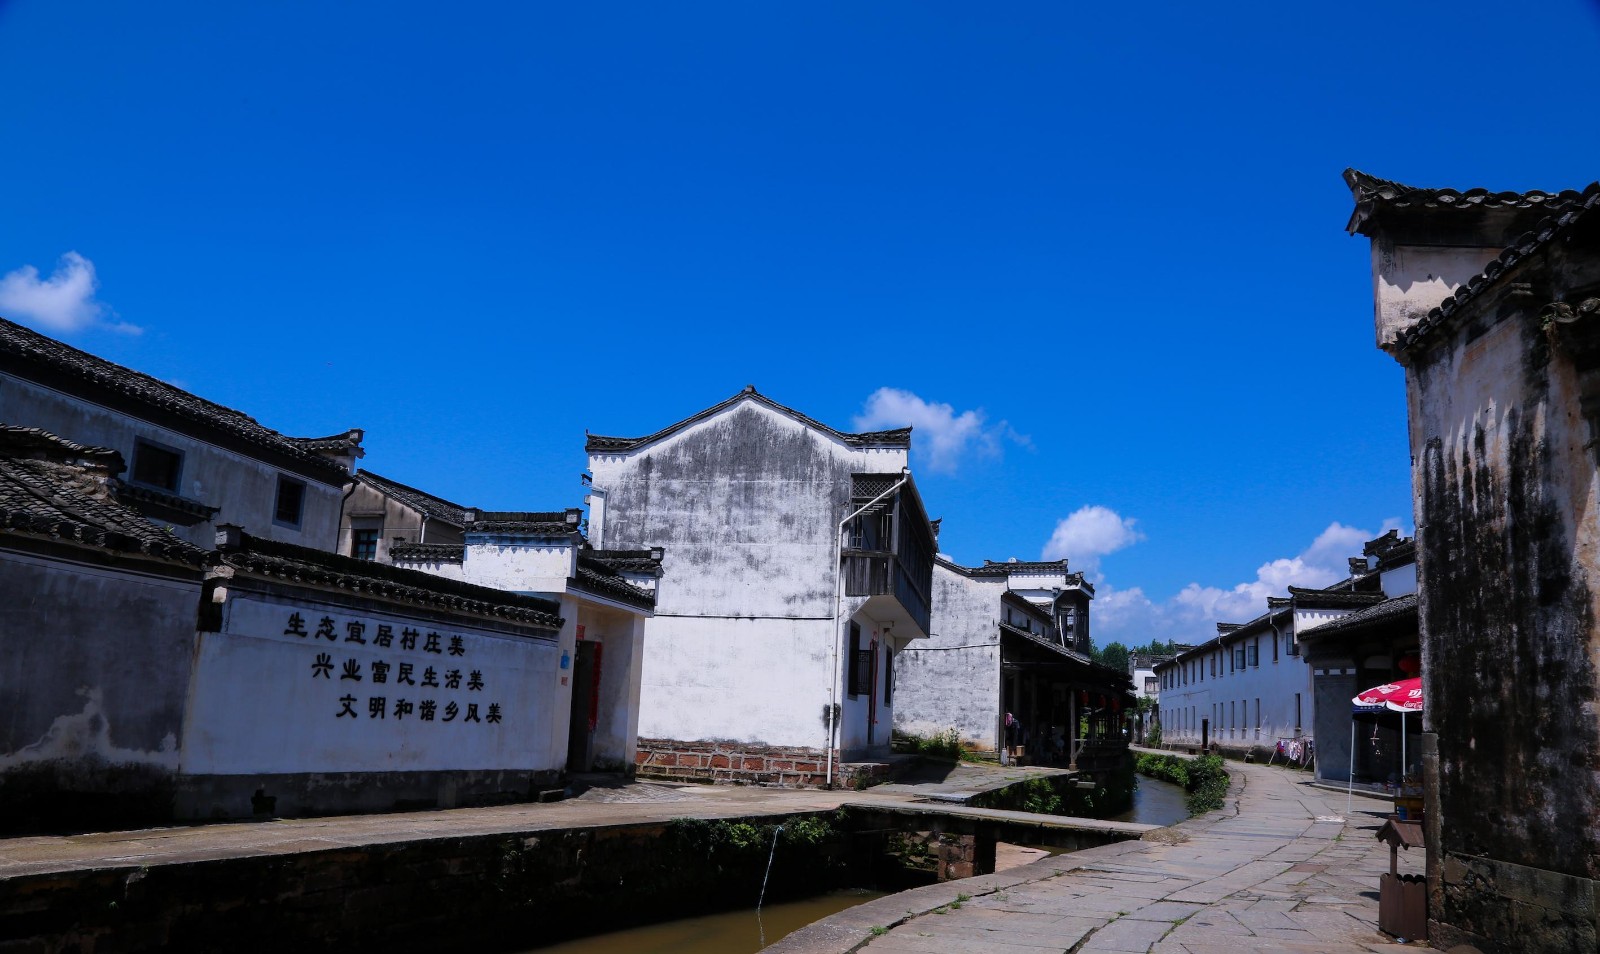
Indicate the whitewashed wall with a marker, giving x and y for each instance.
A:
(267, 701)
(747, 505)
(951, 680)
(246, 489)
(1230, 699)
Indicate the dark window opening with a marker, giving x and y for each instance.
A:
(291, 502)
(856, 684)
(364, 544)
(156, 466)
(888, 678)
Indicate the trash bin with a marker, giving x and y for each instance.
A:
(1402, 899)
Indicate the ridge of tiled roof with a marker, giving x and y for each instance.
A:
(430, 505)
(898, 437)
(23, 348)
(625, 561)
(1373, 194)
(319, 568)
(1303, 595)
(1399, 555)
(348, 441)
(55, 488)
(428, 552)
(602, 580)
(523, 522)
(1388, 611)
(996, 570)
(1545, 233)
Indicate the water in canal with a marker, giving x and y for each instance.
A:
(1155, 803)
(740, 932)
(732, 932)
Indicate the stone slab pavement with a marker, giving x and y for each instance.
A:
(1281, 868)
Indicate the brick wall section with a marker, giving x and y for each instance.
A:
(750, 764)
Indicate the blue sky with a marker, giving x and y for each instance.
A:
(1096, 255)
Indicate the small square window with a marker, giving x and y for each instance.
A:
(364, 544)
(156, 466)
(291, 502)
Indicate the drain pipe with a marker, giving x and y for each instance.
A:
(838, 605)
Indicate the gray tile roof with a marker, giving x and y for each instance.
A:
(626, 561)
(54, 488)
(594, 576)
(36, 357)
(428, 553)
(899, 437)
(431, 506)
(1546, 233)
(305, 566)
(1374, 196)
(552, 523)
(1397, 611)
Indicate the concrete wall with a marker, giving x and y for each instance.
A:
(94, 667)
(951, 680)
(244, 488)
(747, 505)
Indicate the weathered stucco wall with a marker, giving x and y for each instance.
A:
(1410, 280)
(951, 680)
(94, 666)
(1507, 546)
(244, 488)
(406, 707)
(747, 505)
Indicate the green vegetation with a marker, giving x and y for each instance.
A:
(1203, 778)
(940, 745)
(1153, 737)
(879, 931)
(1116, 655)
(719, 837)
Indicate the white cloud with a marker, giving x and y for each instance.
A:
(1090, 533)
(64, 302)
(1130, 617)
(942, 437)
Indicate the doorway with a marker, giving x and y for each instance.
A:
(585, 706)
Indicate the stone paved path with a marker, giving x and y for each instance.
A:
(1281, 869)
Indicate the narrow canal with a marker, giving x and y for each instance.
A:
(743, 932)
(732, 932)
(1156, 803)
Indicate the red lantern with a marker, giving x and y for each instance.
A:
(1409, 664)
(1083, 697)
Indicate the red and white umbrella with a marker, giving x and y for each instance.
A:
(1402, 696)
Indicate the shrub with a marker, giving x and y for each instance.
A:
(1203, 778)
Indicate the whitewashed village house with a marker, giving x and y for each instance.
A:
(797, 569)
(191, 464)
(1250, 688)
(379, 513)
(1375, 644)
(181, 641)
(1008, 638)
(1491, 303)
(605, 597)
